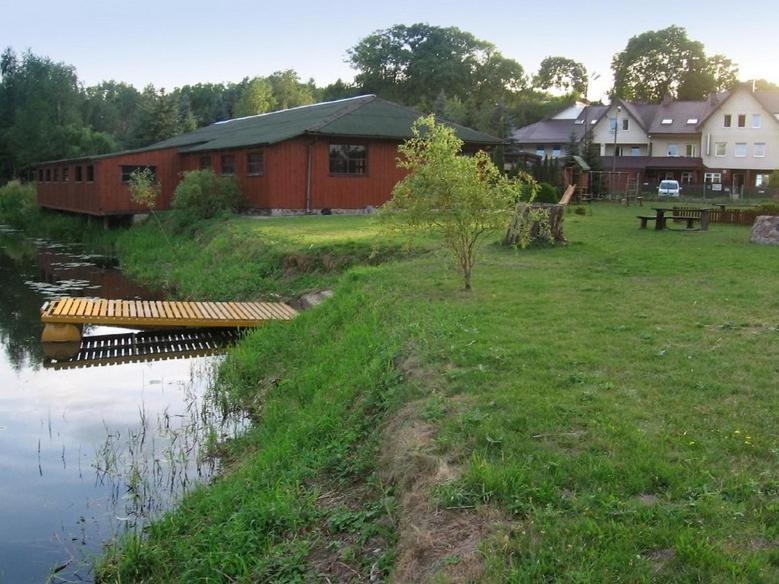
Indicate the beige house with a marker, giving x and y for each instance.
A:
(729, 141)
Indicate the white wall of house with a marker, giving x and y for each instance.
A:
(662, 145)
(603, 133)
(749, 138)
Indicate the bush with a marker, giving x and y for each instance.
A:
(17, 203)
(579, 210)
(768, 209)
(204, 195)
(547, 194)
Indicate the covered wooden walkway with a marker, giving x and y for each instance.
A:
(64, 317)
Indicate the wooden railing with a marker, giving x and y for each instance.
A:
(721, 215)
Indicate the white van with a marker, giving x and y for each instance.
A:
(669, 188)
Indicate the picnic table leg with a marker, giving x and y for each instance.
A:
(705, 220)
(660, 222)
(690, 222)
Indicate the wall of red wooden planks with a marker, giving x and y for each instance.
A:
(283, 184)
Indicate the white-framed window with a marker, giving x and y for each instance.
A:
(619, 151)
(759, 150)
(540, 150)
(613, 124)
(556, 151)
(672, 150)
(625, 124)
(740, 150)
(742, 120)
(690, 150)
(635, 150)
(712, 178)
(720, 148)
(756, 120)
(727, 120)
(687, 177)
(762, 180)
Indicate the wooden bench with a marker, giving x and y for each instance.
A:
(644, 219)
(689, 220)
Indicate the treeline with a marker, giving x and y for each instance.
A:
(46, 113)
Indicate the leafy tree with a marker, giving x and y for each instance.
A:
(666, 62)
(561, 73)
(288, 91)
(158, 117)
(256, 98)
(111, 107)
(413, 64)
(338, 90)
(765, 85)
(464, 198)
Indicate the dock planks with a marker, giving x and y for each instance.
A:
(158, 313)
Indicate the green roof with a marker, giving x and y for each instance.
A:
(366, 116)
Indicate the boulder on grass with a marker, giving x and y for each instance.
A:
(765, 230)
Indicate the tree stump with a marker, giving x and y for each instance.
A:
(537, 223)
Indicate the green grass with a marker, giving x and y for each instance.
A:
(254, 257)
(614, 400)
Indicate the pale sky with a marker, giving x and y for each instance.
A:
(171, 43)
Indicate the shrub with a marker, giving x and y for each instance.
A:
(17, 203)
(579, 210)
(768, 209)
(547, 194)
(204, 195)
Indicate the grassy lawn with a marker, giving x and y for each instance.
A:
(606, 411)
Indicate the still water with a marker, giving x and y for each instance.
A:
(86, 453)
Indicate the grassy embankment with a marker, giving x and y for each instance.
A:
(605, 411)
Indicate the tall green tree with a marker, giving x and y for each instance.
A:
(413, 64)
(256, 98)
(288, 91)
(666, 62)
(561, 73)
(158, 118)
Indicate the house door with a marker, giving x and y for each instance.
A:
(738, 184)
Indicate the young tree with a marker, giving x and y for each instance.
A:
(464, 198)
(145, 190)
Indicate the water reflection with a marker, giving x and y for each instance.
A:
(87, 452)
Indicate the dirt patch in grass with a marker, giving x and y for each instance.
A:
(432, 542)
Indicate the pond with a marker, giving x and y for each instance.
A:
(89, 447)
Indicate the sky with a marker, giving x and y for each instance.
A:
(172, 43)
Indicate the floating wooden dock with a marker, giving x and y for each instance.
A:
(64, 317)
(137, 347)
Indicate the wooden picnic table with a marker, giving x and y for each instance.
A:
(661, 219)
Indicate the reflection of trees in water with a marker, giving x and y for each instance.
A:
(20, 326)
(51, 272)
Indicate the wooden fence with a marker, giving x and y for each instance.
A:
(722, 215)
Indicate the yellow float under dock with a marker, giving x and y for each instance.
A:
(65, 317)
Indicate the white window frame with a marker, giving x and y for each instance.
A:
(724, 149)
(757, 118)
(686, 177)
(762, 179)
(727, 120)
(556, 150)
(635, 150)
(714, 178)
(612, 123)
(671, 147)
(625, 124)
(742, 146)
(758, 150)
(541, 151)
(690, 150)
(738, 120)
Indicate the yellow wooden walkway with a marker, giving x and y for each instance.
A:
(155, 313)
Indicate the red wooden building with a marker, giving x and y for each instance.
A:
(338, 155)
